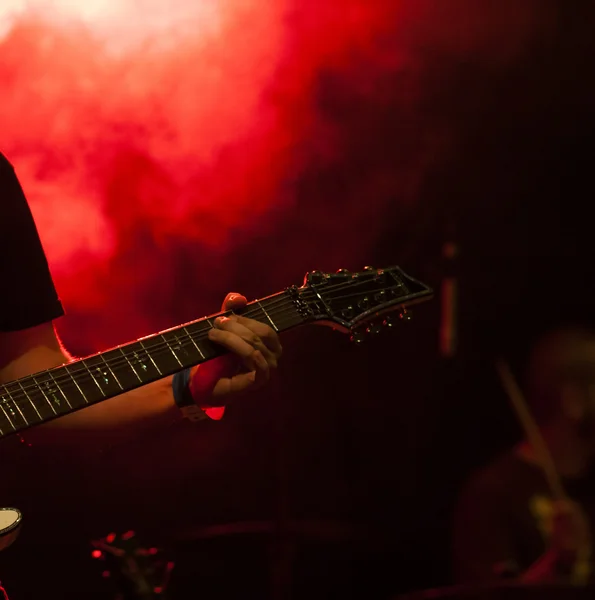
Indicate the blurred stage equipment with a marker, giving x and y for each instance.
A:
(504, 592)
(449, 293)
(136, 572)
(140, 572)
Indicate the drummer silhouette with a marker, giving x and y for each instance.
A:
(509, 522)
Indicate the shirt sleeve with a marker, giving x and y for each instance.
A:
(28, 295)
(483, 547)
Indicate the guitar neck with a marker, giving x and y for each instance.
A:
(54, 393)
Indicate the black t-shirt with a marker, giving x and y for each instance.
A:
(27, 293)
(503, 519)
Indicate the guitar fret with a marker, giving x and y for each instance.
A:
(76, 397)
(189, 351)
(110, 370)
(130, 365)
(5, 419)
(206, 348)
(104, 378)
(2, 402)
(172, 350)
(194, 343)
(267, 316)
(78, 387)
(210, 349)
(278, 309)
(21, 413)
(97, 383)
(40, 387)
(122, 371)
(138, 368)
(164, 352)
(82, 387)
(150, 357)
(29, 399)
(93, 378)
(59, 389)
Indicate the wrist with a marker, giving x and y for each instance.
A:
(193, 408)
(213, 412)
(183, 397)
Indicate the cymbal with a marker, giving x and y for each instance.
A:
(505, 591)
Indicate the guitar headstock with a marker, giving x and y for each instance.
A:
(362, 302)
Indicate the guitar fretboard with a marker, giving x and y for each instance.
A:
(50, 394)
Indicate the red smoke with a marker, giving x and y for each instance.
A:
(148, 139)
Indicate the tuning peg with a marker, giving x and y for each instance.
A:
(343, 272)
(368, 268)
(358, 337)
(315, 277)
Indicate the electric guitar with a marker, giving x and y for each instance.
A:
(355, 303)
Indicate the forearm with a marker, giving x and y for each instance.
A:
(142, 406)
(151, 406)
(113, 421)
(124, 418)
(139, 409)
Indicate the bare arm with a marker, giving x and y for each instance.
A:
(251, 345)
(39, 348)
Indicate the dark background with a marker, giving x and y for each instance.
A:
(381, 435)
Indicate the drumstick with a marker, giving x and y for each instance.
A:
(544, 458)
(582, 567)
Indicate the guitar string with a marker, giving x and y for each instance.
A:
(163, 347)
(143, 354)
(26, 397)
(287, 304)
(22, 393)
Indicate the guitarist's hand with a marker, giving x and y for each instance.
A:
(254, 350)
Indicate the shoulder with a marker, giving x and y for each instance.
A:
(9, 182)
(14, 207)
(5, 164)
